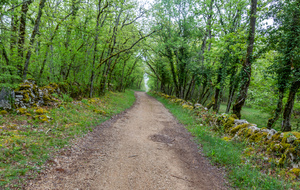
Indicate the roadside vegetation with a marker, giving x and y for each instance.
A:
(242, 165)
(27, 142)
(259, 116)
(243, 53)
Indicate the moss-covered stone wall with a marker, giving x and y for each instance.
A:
(281, 148)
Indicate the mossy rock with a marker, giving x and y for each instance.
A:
(48, 88)
(46, 97)
(290, 150)
(234, 116)
(28, 114)
(234, 130)
(42, 118)
(227, 138)
(258, 137)
(21, 111)
(277, 137)
(185, 106)
(274, 147)
(245, 132)
(54, 85)
(40, 111)
(283, 147)
(3, 112)
(229, 123)
(93, 100)
(179, 100)
(289, 137)
(296, 171)
(282, 160)
(297, 143)
(26, 98)
(24, 86)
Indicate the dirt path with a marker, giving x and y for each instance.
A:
(143, 149)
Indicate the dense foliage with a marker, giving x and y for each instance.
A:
(89, 45)
(227, 51)
(233, 52)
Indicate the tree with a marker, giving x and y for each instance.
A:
(246, 69)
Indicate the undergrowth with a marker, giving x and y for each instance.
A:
(27, 139)
(259, 117)
(226, 154)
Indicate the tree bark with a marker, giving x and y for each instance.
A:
(34, 33)
(286, 123)
(95, 50)
(22, 32)
(246, 69)
(278, 109)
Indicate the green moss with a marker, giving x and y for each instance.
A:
(234, 116)
(239, 127)
(290, 150)
(248, 151)
(24, 86)
(276, 137)
(54, 85)
(297, 143)
(274, 147)
(295, 171)
(226, 138)
(3, 112)
(296, 134)
(290, 135)
(282, 160)
(99, 111)
(229, 123)
(21, 111)
(40, 111)
(42, 118)
(258, 137)
(248, 133)
(26, 98)
(46, 98)
(284, 146)
(50, 89)
(187, 107)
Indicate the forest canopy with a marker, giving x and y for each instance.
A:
(91, 44)
(232, 52)
(235, 53)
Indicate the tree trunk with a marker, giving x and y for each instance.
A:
(95, 50)
(219, 88)
(230, 98)
(232, 89)
(32, 39)
(189, 88)
(246, 70)
(278, 109)
(14, 29)
(286, 123)
(22, 32)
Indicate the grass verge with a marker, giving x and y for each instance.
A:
(260, 118)
(228, 154)
(28, 139)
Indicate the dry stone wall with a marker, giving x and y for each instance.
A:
(280, 148)
(28, 94)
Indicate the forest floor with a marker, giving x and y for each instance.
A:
(143, 148)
